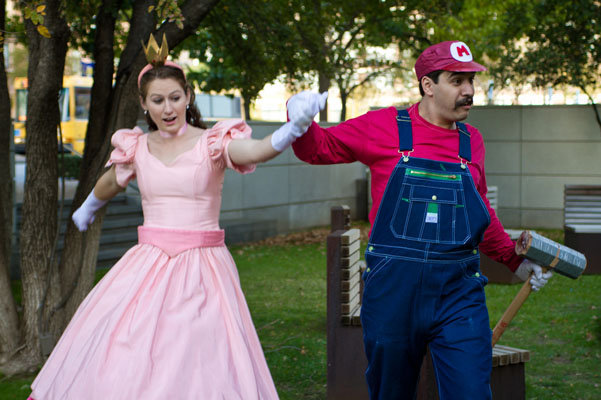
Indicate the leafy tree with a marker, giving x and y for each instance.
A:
(243, 45)
(563, 47)
(545, 43)
(247, 44)
(51, 290)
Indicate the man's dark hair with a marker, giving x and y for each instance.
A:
(432, 75)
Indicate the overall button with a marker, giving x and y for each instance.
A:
(434, 197)
(475, 251)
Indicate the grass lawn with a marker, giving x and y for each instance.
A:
(285, 286)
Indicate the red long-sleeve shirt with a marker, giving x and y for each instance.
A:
(372, 139)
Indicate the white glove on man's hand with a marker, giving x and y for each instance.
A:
(302, 109)
(539, 279)
(84, 215)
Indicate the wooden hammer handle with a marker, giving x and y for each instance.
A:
(511, 311)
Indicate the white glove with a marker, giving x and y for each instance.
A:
(539, 279)
(84, 215)
(302, 109)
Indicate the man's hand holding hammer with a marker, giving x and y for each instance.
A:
(539, 276)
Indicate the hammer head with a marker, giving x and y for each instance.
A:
(550, 254)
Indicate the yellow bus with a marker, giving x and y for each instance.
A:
(74, 103)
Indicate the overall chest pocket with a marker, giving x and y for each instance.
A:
(431, 209)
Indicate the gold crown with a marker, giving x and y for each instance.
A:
(156, 55)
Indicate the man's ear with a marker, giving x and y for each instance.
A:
(427, 84)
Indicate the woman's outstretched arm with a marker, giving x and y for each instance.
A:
(302, 108)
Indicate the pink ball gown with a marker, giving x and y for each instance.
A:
(169, 320)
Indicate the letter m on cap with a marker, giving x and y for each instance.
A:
(463, 51)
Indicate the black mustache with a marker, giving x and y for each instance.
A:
(468, 101)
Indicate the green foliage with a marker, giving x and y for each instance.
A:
(35, 11)
(564, 45)
(544, 42)
(168, 11)
(247, 44)
(242, 45)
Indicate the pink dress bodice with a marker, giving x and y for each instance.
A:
(186, 193)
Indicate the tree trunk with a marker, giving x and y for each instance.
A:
(78, 263)
(246, 104)
(595, 110)
(343, 100)
(324, 86)
(9, 322)
(38, 231)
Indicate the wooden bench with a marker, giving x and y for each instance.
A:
(346, 358)
(346, 362)
(582, 223)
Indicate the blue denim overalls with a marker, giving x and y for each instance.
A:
(422, 283)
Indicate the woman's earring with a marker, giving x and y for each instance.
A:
(145, 112)
(187, 106)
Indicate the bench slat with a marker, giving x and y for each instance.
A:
(346, 296)
(582, 208)
(350, 236)
(347, 250)
(347, 308)
(582, 228)
(346, 262)
(347, 273)
(356, 320)
(519, 355)
(351, 282)
(348, 319)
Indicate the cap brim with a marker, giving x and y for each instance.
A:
(464, 67)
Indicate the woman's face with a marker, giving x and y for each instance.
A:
(166, 102)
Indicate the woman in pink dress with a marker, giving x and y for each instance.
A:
(169, 320)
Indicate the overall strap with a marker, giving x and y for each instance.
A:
(405, 132)
(465, 148)
(403, 122)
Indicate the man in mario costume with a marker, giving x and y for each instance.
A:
(430, 219)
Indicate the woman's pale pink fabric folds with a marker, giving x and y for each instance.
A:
(176, 241)
(220, 136)
(125, 142)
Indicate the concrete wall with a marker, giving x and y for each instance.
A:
(532, 152)
(287, 194)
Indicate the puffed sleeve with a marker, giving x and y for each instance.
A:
(125, 142)
(218, 139)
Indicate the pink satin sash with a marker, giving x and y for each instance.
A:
(176, 241)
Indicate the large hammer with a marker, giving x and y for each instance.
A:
(548, 254)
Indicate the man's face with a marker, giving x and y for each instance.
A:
(453, 95)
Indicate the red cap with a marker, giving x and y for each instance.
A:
(446, 56)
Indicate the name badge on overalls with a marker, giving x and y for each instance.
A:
(432, 213)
